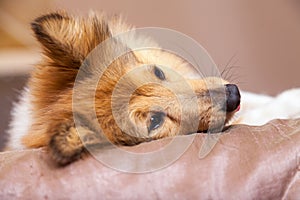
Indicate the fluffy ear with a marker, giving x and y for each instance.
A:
(67, 40)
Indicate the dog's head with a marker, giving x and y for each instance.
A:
(142, 95)
(162, 100)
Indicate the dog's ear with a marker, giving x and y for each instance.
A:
(66, 40)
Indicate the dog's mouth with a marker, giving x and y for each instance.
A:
(231, 106)
(238, 108)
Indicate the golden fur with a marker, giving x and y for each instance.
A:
(66, 42)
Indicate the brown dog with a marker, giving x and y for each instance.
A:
(153, 110)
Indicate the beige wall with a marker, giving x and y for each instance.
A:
(262, 35)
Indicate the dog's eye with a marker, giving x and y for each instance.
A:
(156, 120)
(159, 73)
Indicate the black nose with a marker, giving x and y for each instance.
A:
(233, 97)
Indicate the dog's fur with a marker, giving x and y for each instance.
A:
(66, 42)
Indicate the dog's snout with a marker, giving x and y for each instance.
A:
(233, 97)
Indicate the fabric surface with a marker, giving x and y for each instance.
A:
(247, 162)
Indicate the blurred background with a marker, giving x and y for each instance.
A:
(258, 39)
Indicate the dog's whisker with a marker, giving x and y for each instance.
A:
(228, 67)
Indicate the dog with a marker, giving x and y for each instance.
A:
(44, 117)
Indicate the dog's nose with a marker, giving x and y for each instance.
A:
(233, 97)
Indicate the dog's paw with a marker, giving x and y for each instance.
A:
(66, 146)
